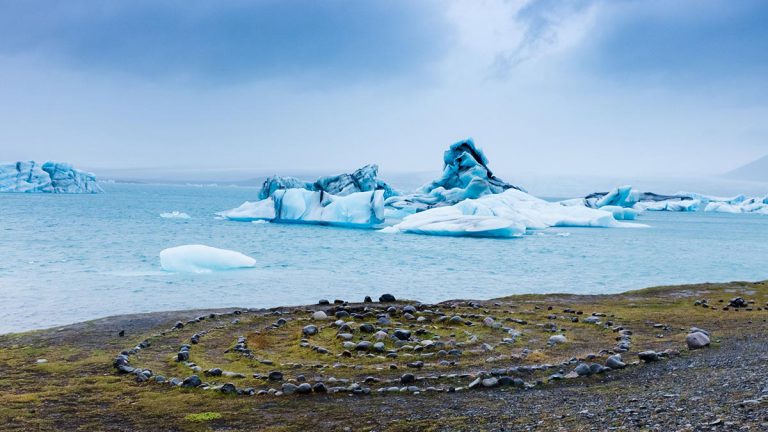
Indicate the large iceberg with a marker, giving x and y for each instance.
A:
(202, 259)
(465, 176)
(50, 177)
(508, 214)
(359, 209)
(362, 180)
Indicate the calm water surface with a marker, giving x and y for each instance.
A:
(68, 258)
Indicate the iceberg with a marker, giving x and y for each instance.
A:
(362, 180)
(359, 209)
(508, 214)
(465, 176)
(202, 259)
(175, 215)
(748, 205)
(50, 177)
(629, 198)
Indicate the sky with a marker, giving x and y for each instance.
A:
(549, 87)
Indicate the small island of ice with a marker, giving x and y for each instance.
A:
(202, 259)
(50, 177)
(175, 215)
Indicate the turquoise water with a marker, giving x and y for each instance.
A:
(68, 258)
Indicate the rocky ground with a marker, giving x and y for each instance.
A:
(670, 358)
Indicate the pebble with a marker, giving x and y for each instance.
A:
(304, 388)
(648, 356)
(275, 376)
(402, 334)
(289, 388)
(614, 362)
(319, 316)
(228, 388)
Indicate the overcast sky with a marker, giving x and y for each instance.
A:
(647, 87)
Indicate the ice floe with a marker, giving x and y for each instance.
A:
(508, 214)
(202, 259)
(175, 215)
(750, 205)
(50, 177)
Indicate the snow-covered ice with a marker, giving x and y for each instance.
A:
(174, 215)
(50, 177)
(202, 259)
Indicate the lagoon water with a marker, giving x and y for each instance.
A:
(68, 258)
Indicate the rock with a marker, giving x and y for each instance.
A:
(475, 383)
(363, 346)
(289, 388)
(379, 335)
(275, 376)
(213, 372)
(696, 329)
(456, 320)
(182, 356)
(228, 388)
(696, 340)
(614, 362)
(409, 309)
(488, 321)
(648, 356)
(179, 325)
(319, 316)
(379, 347)
(367, 328)
(319, 388)
(41, 361)
(387, 298)
(402, 334)
(407, 378)
(304, 388)
(121, 333)
(583, 369)
(323, 302)
(490, 382)
(309, 330)
(192, 381)
(368, 299)
(737, 302)
(592, 320)
(557, 339)
(416, 365)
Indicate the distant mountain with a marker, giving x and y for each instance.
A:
(753, 171)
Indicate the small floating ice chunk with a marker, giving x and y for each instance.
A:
(202, 259)
(174, 215)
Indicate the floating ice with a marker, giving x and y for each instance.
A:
(362, 180)
(50, 177)
(465, 176)
(751, 205)
(202, 259)
(359, 209)
(508, 214)
(628, 198)
(174, 215)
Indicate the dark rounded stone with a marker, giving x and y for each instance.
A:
(407, 379)
(179, 325)
(368, 299)
(304, 388)
(386, 298)
(402, 334)
(192, 381)
(182, 356)
(323, 302)
(309, 330)
(275, 376)
(319, 388)
(228, 388)
(214, 372)
(367, 328)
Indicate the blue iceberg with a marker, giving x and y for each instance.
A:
(364, 179)
(50, 177)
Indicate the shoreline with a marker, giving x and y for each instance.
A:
(723, 385)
